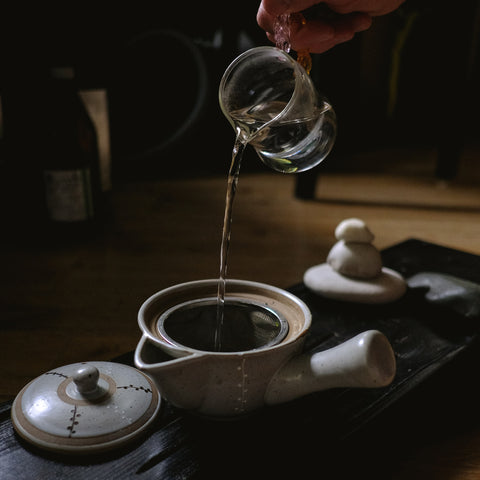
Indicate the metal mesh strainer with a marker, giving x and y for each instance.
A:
(247, 325)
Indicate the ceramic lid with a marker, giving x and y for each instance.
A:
(85, 407)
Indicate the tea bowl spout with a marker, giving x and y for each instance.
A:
(366, 360)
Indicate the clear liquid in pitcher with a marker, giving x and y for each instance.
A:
(290, 146)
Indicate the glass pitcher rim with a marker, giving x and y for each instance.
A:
(299, 75)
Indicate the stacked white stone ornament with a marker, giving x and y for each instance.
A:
(353, 271)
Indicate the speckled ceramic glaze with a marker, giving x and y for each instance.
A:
(234, 383)
(85, 407)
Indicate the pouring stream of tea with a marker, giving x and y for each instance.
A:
(238, 148)
(248, 125)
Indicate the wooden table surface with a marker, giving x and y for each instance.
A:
(78, 301)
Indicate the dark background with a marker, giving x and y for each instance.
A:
(159, 66)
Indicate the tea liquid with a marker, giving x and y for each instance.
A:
(238, 148)
(247, 129)
(292, 154)
(287, 146)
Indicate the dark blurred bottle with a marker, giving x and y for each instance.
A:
(70, 159)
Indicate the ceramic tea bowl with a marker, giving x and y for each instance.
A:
(231, 383)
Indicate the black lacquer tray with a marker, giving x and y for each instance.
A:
(332, 434)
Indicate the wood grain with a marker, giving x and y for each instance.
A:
(78, 301)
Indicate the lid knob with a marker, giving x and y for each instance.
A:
(86, 379)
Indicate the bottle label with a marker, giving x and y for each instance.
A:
(69, 195)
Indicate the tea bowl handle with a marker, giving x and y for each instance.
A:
(366, 360)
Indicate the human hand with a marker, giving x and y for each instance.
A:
(327, 23)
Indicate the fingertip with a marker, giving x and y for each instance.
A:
(275, 7)
(270, 36)
(324, 30)
(362, 22)
(313, 44)
(312, 33)
(264, 20)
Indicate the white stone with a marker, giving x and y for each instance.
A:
(354, 230)
(386, 287)
(359, 260)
